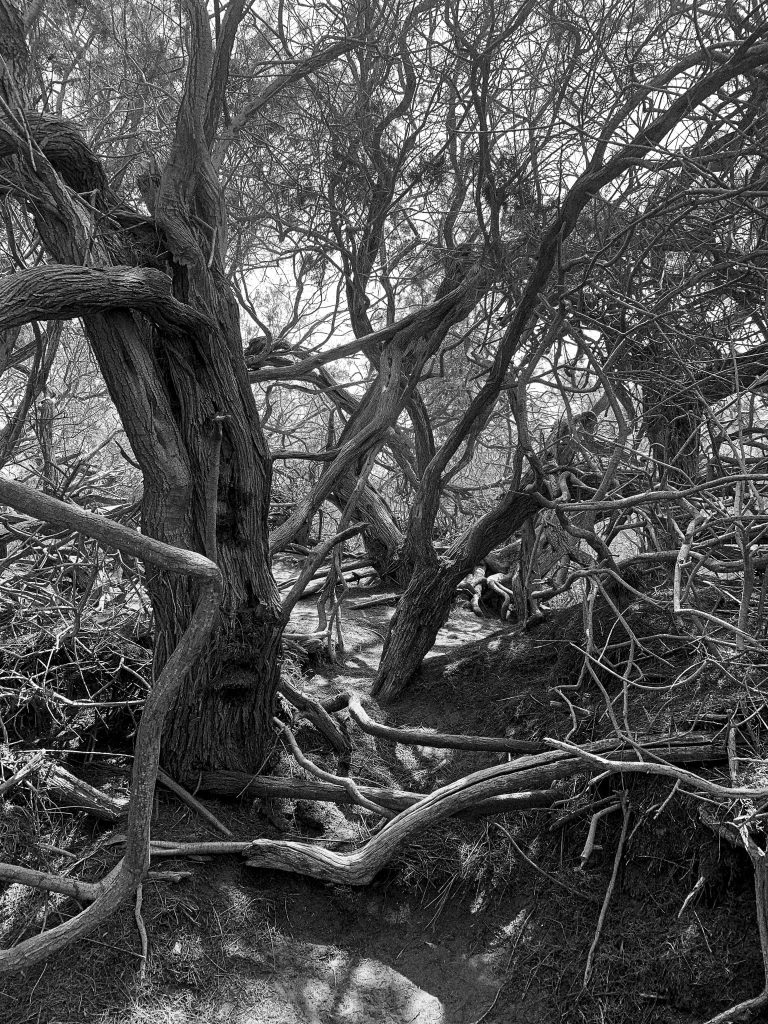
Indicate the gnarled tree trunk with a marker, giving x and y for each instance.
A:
(167, 340)
(426, 603)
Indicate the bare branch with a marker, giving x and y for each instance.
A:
(62, 292)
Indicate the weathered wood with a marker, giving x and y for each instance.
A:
(20, 774)
(448, 741)
(86, 892)
(372, 602)
(266, 787)
(317, 715)
(186, 797)
(69, 791)
(536, 770)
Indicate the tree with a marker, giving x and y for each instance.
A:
(630, 123)
(161, 316)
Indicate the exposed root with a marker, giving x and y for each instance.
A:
(608, 895)
(361, 866)
(345, 782)
(450, 741)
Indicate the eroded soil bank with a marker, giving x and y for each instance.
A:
(488, 920)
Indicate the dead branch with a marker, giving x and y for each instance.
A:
(527, 772)
(657, 768)
(317, 715)
(449, 741)
(608, 894)
(190, 801)
(125, 879)
(18, 776)
(68, 790)
(589, 844)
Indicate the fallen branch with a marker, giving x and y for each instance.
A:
(608, 894)
(69, 791)
(657, 768)
(344, 578)
(159, 849)
(372, 602)
(264, 787)
(124, 880)
(317, 715)
(190, 801)
(321, 575)
(360, 866)
(449, 741)
(589, 844)
(18, 776)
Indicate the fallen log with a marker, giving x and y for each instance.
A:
(20, 774)
(373, 602)
(448, 741)
(69, 791)
(322, 574)
(528, 772)
(265, 787)
(346, 578)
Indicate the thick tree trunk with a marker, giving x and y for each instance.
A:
(207, 489)
(182, 392)
(421, 612)
(426, 603)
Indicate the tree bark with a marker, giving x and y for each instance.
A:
(420, 613)
(168, 345)
(382, 537)
(426, 603)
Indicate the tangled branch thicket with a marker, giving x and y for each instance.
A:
(504, 269)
